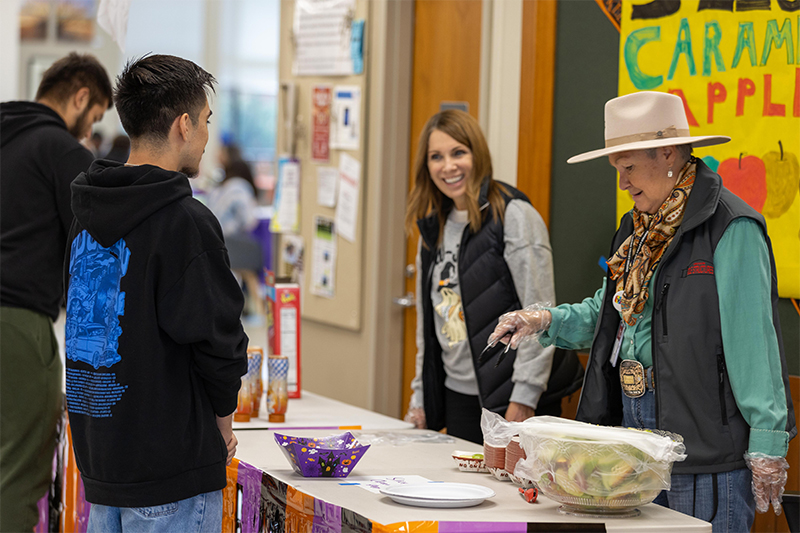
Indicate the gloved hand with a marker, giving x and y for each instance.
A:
(521, 324)
(769, 480)
(416, 415)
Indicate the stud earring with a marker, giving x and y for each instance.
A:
(669, 174)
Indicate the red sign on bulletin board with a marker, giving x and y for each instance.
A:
(320, 123)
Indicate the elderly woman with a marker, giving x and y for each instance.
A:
(684, 333)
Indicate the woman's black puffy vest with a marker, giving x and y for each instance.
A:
(487, 291)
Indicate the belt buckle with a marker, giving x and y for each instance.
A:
(631, 377)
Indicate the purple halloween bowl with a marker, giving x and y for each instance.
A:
(331, 456)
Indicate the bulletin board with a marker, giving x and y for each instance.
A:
(342, 308)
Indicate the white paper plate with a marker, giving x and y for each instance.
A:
(439, 494)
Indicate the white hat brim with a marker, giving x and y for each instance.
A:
(698, 141)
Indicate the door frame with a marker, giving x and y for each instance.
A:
(447, 57)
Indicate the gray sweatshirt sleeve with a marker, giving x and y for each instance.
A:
(530, 260)
(416, 383)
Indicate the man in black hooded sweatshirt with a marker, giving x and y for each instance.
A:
(39, 157)
(154, 343)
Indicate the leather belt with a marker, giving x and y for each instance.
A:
(635, 378)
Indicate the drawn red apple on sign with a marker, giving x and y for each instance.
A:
(746, 177)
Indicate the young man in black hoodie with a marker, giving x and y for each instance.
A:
(155, 346)
(39, 157)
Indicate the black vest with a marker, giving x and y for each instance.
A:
(487, 291)
(693, 393)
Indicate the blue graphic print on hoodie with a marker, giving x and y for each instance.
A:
(95, 301)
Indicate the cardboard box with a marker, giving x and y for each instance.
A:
(283, 327)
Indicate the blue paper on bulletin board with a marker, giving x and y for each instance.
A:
(357, 46)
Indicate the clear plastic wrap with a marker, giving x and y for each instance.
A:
(597, 468)
(497, 431)
(392, 438)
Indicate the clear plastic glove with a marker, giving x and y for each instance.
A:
(528, 322)
(416, 416)
(769, 480)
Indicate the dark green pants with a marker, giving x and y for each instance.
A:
(31, 403)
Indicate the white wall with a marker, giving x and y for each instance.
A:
(9, 49)
(501, 63)
(51, 49)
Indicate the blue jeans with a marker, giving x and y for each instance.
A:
(200, 514)
(693, 494)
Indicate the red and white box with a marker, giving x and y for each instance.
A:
(284, 335)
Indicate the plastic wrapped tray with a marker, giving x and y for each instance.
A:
(595, 469)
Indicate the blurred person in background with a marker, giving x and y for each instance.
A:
(483, 250)
(684, 333)
(120, 149)
(95, 143)
(234, 203)
(40, 156)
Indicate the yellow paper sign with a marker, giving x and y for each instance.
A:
(736, 65)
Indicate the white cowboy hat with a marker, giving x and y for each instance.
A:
(645, 120)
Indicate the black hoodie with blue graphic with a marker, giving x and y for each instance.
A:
(154, 342)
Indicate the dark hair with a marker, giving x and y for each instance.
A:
(236, 166)
(70, 74)
(154, 90)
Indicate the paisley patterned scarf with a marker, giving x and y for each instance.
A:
(657, 230)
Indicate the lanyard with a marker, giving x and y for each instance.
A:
(629, 260)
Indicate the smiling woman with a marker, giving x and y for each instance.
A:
(483, 250)
(450, 167)
(647, 174)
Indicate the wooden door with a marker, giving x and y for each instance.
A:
(537, 79)
(447, 51)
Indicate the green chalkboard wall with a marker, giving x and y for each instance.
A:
(583, 218)
(583, 213)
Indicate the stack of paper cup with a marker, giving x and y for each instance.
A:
(255, 356)
(494, 456)
(277, 389)
(514, 453)
(244, 405)
(495, 459)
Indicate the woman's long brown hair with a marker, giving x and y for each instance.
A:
(425, 198)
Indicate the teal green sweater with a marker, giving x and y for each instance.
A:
(750, 343)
